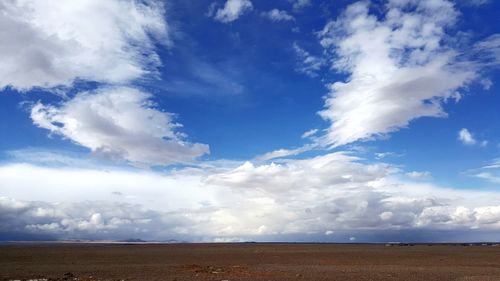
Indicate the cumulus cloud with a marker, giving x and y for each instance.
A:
(86, 220)
(308, 63)
(232, 10)
(466, 137)
(52, 43)
(120, 123)
(331, 169)
(398, 68)
(325, 195)
(341, 193)
(278, 15)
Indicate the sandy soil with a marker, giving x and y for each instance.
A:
(248, 262)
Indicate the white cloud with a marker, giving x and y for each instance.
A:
(82, 202)
(53, 158)
(278, 15)
(280, 153)
(101, 183)
(467, 138)
(476, 2)
(310, 196)
(202, 77)
(309, 133)
(398, 68)
(308, 64)
(121, 123)
(489, 173)
(86, 220)
(486, 83)
(495, 164)
(299, 4)
(489, 50)
(491, 177)
(319, 172)
(232, 10)
(341, 193)
(52, 43)
(415, 175)
(382, 155)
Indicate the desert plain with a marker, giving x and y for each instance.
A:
(248, 261)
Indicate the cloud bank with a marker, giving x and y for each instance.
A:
(335, 193)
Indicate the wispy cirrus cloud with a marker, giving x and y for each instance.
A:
(488, 50)
(281, 153)
(476, 2)
(489, 172)
(204, 79)
(307, 63)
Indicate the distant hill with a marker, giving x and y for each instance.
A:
(133, 240)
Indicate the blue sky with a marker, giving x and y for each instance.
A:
(245, 119)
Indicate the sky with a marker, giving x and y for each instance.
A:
(249, 120)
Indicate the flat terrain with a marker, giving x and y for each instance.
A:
(248, 262)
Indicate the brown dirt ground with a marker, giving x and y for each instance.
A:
(91, 262)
